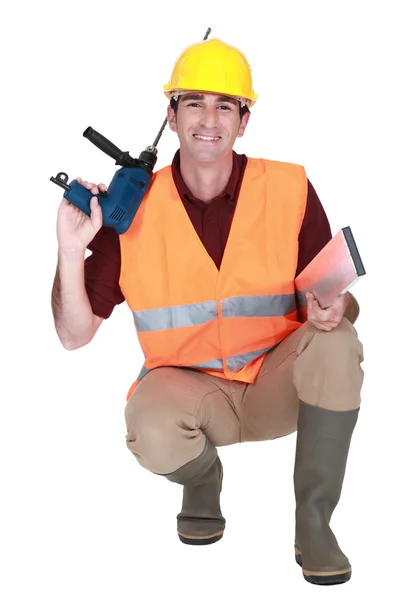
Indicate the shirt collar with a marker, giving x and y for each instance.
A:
(229, 192)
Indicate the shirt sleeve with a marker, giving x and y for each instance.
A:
(102, 272)
(315, 231)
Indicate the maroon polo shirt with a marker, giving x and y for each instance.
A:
(211, 221)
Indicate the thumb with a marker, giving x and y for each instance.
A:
(96, 215)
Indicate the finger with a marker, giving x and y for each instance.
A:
(93, 189)
(317, 297)
(309, 297)
(313, 304)
(333, 322)
(330, 324)
(96, 216)
(102, 187)
(324, 327)
(333, 314)
(321, 326)
(88, 185)
(94, 206)
(316, 303)
(318, 313)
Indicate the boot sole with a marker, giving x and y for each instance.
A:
(323, 578)
(200, 541)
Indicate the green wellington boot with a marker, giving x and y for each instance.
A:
(200, 521)
(323, 441)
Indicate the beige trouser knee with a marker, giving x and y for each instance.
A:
(172, 409)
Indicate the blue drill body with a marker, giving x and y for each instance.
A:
(125, 193)
(121, 201)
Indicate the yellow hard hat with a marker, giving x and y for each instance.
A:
(212, 66)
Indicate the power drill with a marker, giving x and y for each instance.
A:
(127, 188)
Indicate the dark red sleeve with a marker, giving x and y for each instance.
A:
(102, 272)
(315, 231)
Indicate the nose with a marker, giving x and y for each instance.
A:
(209, 117)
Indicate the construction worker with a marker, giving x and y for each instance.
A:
(207, 268)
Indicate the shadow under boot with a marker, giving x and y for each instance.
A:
(200, 521)
(323, 442)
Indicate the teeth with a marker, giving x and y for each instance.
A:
(206, 138)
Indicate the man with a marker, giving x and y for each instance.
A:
(207, 268)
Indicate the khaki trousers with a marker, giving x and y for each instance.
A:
(172, 409)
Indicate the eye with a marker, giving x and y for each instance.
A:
(194, 104)
(224, 107)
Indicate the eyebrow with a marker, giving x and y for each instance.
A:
(226, 99)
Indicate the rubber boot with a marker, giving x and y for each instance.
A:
(323, 441)
(200, 521)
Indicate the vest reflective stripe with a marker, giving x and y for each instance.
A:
(214, 365)
(259, 306)
(241, 333)
(158, 319)
(240, 360)
(142, 373)
(234, 362)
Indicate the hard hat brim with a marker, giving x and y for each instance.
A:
(170, 93)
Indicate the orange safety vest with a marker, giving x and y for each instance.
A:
(187, 313)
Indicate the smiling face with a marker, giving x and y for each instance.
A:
(207, 125)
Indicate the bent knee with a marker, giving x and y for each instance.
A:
(158, 419)
(150, 415)
(340, 342)
(164, 394)
(343, 340)
(149, 394)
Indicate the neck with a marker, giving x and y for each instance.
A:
(206, 180)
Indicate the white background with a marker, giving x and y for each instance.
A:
(79, 517)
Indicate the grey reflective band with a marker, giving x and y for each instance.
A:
(259, 306)
(235, 363)
(188, 315)
(143, 372)
(241, 360)
(215, 365)
(173, 317)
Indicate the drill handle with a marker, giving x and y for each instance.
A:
(80, 196)
(101, 142)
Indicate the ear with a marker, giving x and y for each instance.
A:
(243, 124)
(171, 116)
